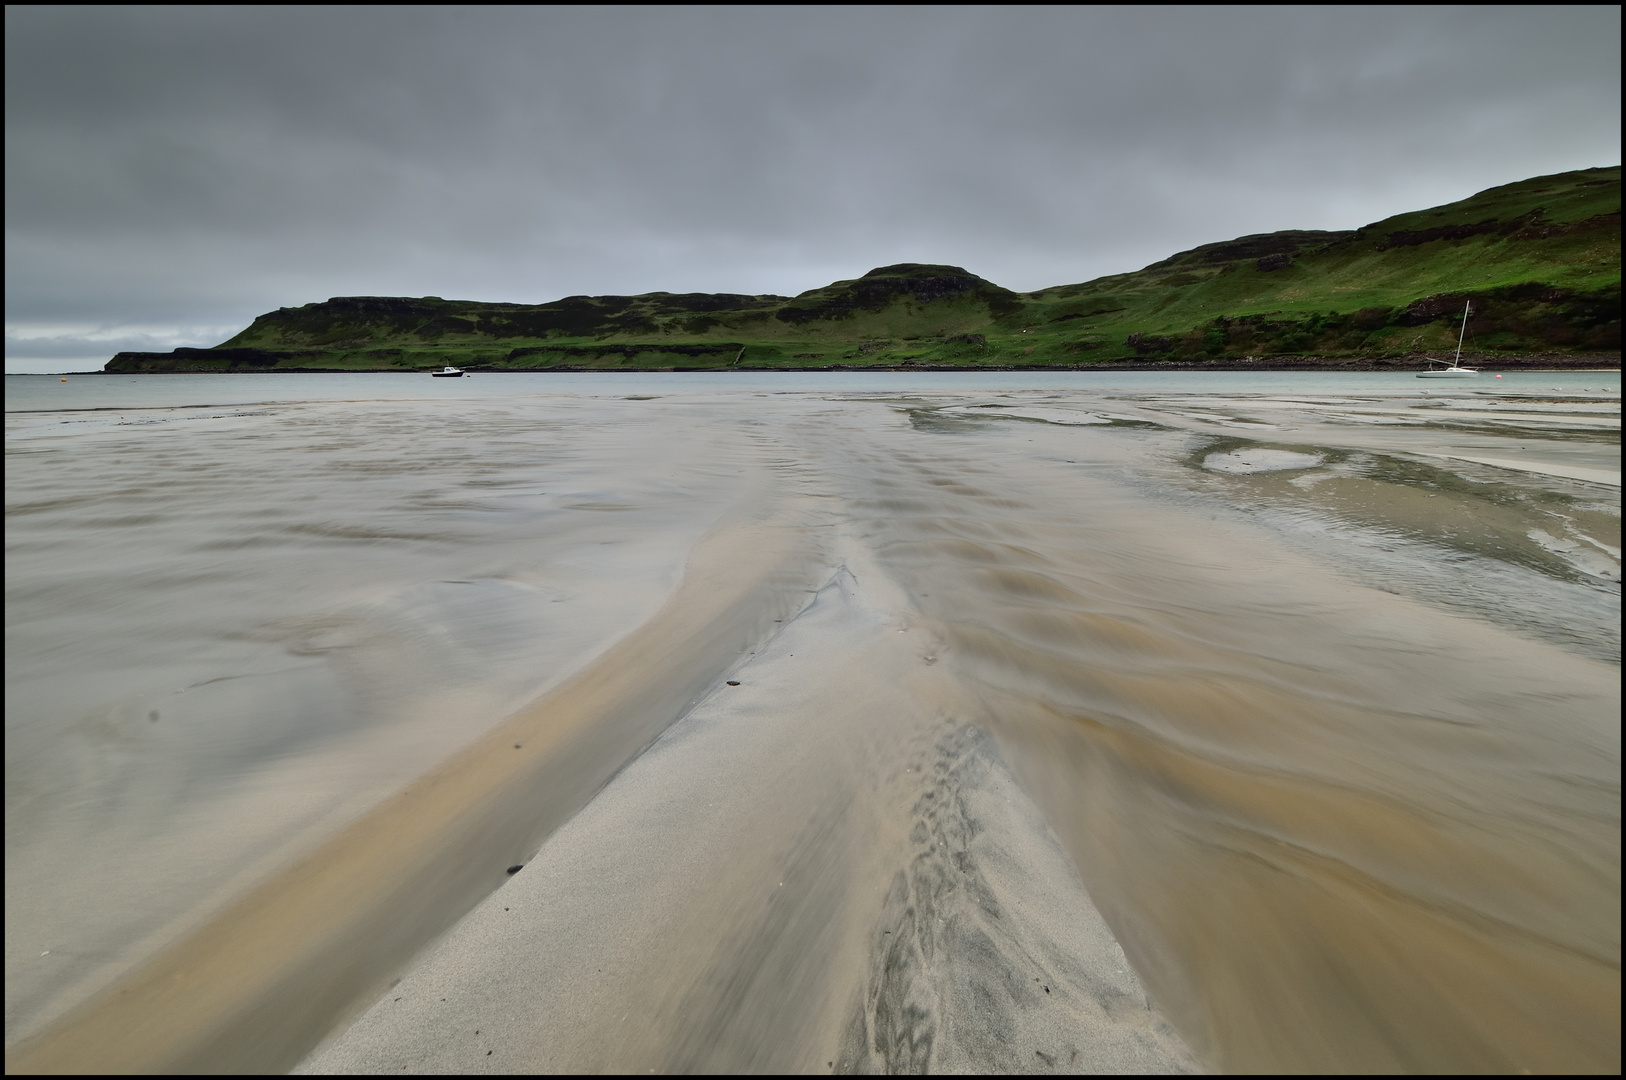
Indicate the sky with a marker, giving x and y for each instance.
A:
(173, 172)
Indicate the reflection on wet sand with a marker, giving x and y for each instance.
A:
(1105, 732)
(1314, 818)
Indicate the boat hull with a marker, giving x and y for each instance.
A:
(1449, 373)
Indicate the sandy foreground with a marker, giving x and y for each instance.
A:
(1139, 735)
(715, 907)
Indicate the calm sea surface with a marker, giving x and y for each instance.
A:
(31, 392)
(1313, 676)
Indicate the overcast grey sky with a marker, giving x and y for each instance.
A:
(173, 172)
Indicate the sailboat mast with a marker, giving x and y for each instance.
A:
(1462, 332)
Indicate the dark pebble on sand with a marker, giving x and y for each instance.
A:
(515, 869)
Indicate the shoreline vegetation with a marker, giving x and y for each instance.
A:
(1539, 260)
(1600, 362)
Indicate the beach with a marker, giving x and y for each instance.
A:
(725, 723)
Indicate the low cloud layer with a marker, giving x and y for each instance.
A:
(173, 171)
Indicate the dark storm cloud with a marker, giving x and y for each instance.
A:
(192, 167)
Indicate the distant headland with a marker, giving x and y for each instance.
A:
(1539, 260)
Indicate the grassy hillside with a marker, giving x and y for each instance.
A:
(1540, 260)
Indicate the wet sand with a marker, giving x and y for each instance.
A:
(1055, 748)
(718, 905)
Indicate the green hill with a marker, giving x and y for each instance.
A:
(1540, 260)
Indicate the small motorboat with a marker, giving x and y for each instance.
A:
(449, 372)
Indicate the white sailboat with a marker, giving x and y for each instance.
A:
(1455, 370)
